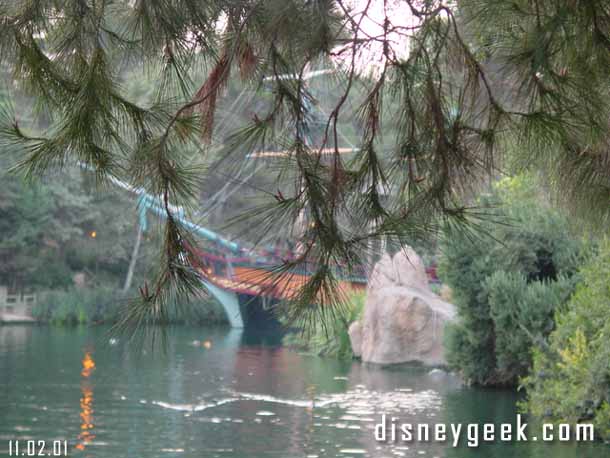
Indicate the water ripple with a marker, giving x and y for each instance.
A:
(360, 404)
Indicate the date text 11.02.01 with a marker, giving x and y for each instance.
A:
(37, 448)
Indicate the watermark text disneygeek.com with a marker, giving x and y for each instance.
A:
(390, 429)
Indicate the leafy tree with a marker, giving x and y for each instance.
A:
(35, 224)
(507, 285)
(434, 82)
(53, 228)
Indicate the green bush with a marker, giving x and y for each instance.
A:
(332, 339)
(522, 314)
(506, 284)
(104, 305)
(570, 380)
(78, 306)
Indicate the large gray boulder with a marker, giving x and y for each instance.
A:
(403, 320)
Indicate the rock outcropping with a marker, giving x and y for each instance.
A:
(403, 319)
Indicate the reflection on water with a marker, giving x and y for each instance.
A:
(86, 403)
(219, 393)
(88, 365)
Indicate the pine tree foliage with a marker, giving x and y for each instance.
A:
(459, 81)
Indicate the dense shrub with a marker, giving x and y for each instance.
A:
(77, 306)
(506, 283)
(522, 314)
(570, 380)
(332, 339)
(104, 305)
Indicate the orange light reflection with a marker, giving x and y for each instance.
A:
(86, 404)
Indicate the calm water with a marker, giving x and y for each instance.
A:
(229, 396)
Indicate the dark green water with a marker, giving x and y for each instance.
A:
(232, 397)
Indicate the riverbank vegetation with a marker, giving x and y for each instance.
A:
(105, 305)
(330, 338)
(570, 379)
(508, 283)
